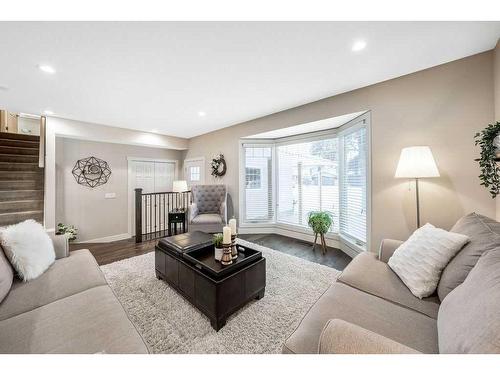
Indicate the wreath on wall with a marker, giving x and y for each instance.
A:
(218, 166)
(489, 142)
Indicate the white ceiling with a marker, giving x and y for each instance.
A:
(157, 76)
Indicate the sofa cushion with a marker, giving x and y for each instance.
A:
(468, 319)
(28, 248)
(484, 234)
(67, 276)
(367, 273)
(420, 260)
(92, 321)
(6, 275)
(207, 219)
(341, 301)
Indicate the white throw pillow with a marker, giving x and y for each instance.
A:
(420, 260)
(28, 248)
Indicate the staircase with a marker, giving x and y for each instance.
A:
(21, 179)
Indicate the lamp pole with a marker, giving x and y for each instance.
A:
(418, 203)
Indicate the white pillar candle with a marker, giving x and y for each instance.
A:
(232, 225)
(226, 235)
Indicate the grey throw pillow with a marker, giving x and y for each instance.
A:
(6, 275)
(484, 234)
(468, 319)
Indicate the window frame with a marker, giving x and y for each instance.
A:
(349, 245)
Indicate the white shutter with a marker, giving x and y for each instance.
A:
(258, 183)
(307, 180)
(353, 181)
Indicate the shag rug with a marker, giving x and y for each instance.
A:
(170, 324)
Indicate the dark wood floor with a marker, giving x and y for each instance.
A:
(114, 251)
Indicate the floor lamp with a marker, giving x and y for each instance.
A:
(416, 162)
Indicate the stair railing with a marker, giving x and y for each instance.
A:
(151, 212)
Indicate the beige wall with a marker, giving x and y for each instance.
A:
(496, 77)
(441, 107)
(86, 208)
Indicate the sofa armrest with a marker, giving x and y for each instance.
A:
(192, 211)
(61, 244)
(387, 248)
(341, 337)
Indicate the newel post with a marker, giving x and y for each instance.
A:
(138, 215)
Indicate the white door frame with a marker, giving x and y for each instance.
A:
(131, 196)
(200, 158)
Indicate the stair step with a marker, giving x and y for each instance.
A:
(21, 206)
(21, 185)
(17, 217)
(18, 150)
(21, 175)
(18, 158)
(17, 143)
(19, 195)
(20, 137)
(19, 167)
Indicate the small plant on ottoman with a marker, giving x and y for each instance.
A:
(320, 222)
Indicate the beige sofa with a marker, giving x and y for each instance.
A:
(68, 309)
(369, 309)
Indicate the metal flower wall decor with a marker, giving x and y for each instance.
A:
(218, 165)
(91, 172)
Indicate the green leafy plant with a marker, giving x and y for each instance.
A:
(490, 170)
(217, 240)
(320, 221)
(67, 229)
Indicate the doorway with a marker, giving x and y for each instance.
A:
(194, 171)
(152, 176)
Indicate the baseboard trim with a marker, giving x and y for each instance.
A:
(116, 237)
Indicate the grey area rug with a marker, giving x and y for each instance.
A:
(170, 324)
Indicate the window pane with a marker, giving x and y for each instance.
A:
(258, 184)
(308, 181)
(353, 200)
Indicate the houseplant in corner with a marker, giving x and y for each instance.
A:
(217, 241)
(320, 222)
(70, 230)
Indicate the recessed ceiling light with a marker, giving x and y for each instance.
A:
(202, 114)
(48, 112)
(358, 45)
(46, 69)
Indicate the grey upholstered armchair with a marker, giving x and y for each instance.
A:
(208, 210)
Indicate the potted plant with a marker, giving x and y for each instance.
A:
(320, 222)
(70, 230)
(217, 241)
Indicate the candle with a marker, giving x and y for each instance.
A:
(232, 225)
(226, 235)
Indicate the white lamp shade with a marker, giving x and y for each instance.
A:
(416, 162)
(180, 186)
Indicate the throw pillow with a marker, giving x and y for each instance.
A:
(468, 319)
(6, 275)
(484, 234)
(28, 248)
(420, 260)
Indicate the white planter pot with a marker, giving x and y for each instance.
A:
(218, 253)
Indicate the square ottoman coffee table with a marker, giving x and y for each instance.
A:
(187, 263)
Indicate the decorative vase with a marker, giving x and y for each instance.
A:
(234, 250)
(218, 253)
(226, 255)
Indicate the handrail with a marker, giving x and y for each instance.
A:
(41, 150)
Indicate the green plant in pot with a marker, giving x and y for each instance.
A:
(70, 230)
(320, 222)
(217, 241)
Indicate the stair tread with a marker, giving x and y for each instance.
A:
(21, 137)
(23, 213)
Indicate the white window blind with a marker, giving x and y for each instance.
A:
(258, 185)
(353, 184)
(308, 181)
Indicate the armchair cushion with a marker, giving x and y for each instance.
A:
(341, 337)
(207, 219)
(209, 198)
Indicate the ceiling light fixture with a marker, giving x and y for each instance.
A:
(358, 45)
(202, 114)
(48, 112)
(46, 69)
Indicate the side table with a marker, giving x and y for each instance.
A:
(174, 218)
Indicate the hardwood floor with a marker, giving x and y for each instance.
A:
(114, 251)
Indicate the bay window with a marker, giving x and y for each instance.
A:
(284, 179)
